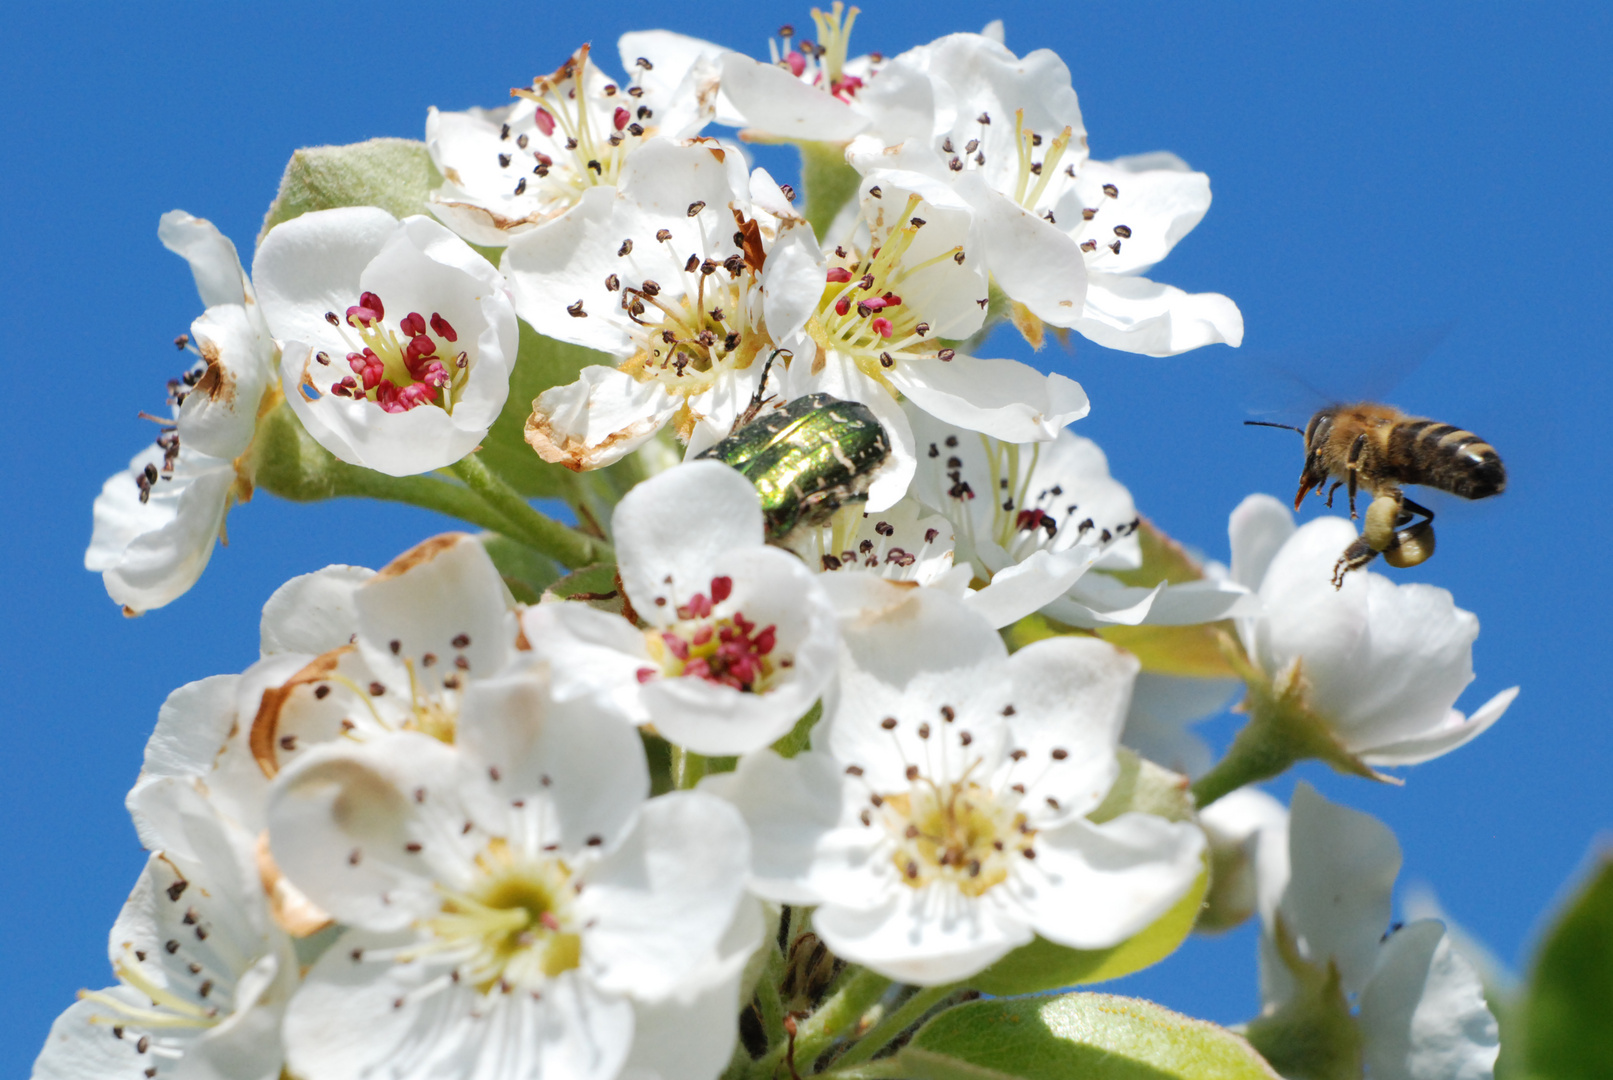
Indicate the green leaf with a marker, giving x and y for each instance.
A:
(1569, 1001)
(394, 174)
(1042, 965)
(1085, 1036)
(595, 585)
(524, 571)
(540, 363)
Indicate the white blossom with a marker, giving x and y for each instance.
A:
(397, 339)
(509, 170)
(939, 820)
(155, 523)
(1325, 903)
(738, 638)
(1382, 664)
(692, 272)
(203, 973)
(512, 899)
(1007, 132)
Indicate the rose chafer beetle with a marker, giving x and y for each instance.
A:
(807, 459)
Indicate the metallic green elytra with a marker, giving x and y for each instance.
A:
(808, 459)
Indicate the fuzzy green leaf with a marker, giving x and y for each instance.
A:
(393, 174)
(1090, 1036)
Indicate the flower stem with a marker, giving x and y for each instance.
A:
(829, 182)
(687, 768)
(856, 995)
(424, 492)
(768, 1002)
(910, 1012)
(1257, 753)
(565, 545)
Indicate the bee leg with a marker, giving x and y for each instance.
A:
(1378, 536)
(1330, 492)
(1413, 543)
(1355, 468)
(1357, 555)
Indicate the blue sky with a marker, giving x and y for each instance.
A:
(1378, 169)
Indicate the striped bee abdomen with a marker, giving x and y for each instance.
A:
(1446, 457)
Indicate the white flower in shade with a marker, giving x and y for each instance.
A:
(156, 522)
(1039, 522)
(738, 638)
(1008, 131)
(1247, 829)
(397, 339)
(427, 626)
(511, 169)
(939, 819)
(203, 973)
(1163, 707)
(513, 901)
(692, 273)
(1381, 664)
(904, 280)
(1325, 890)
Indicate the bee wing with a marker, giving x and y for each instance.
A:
(1290, 384)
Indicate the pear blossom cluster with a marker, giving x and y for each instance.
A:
(554, 801)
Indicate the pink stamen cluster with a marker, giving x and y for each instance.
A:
(727, 650)
(867, 308)
(1031, 520)
(420, 358)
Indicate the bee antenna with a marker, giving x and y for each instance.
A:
(1268, 423)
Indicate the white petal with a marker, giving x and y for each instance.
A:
(792, 283)
(151, 553)
(443, 597)
(1093, 886)
(599, 419)
(311, 264)
(212, 258)
(592, 654)
(593, 772)
(1162, 707)
(673, 57)
(312, 613)
(773, 101)
(665, 897)
(1005, 399)
(1134, 314)
(220, 412)
(1456, 731)
(1423, 1015)
(1071, 694)
(1160, 200)
(1343, 865)
(1098, 600)
(1027, 587)
(927, 936)
(1257, 529)
(351, 1021)
(341, 818)
(1031, 259)
(81, 1045)
(680, 525)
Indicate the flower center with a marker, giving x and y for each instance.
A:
(1024, 519)
(416, 364)
(714, 326)
(822, 64)
(725, 649)
(956, 832)
(576, 138)
(514, 926)
(862, 314)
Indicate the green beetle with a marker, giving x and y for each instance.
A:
(807, 459)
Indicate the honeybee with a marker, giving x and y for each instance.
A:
(1377, 448)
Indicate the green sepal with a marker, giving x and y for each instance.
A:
(830, 183)
(800, 736)
(1042, 965)
(1312, 1036)
(525, 572)
(393, 174)
(1569, 1001)
(1091, 1036)
(1147, 788)
(540, 363)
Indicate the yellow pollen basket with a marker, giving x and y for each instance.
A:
(959, 834)
(514, 925)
